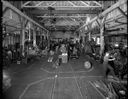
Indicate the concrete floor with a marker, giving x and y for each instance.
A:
(37, 80)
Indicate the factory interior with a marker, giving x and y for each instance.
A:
(64, 49)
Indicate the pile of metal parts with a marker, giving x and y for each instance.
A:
(120, 62)
(121, 90)
(119, 65)
(116, 88)
(111, 90)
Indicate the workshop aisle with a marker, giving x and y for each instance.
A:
(67, 81)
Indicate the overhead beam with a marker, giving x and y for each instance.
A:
(88, 2)
(84, 3)
(52, 3)
(7, 4)
(61, 16)
(63, 6)
(26, 3)
(39, 3)
(42, 12)
(72, 4)
(12, 26)
(113, 7)
(98, 22)
(72, 19)
(117, 21)
(97, 3)
(122, 12)
(113, 19)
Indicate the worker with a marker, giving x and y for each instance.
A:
(62, 50)
(51, 53)
(10, 55)
(107, 67)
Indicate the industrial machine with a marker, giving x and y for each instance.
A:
(6, 80)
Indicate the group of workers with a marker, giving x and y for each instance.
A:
(63, 48)
(89, 47)
(71, 49)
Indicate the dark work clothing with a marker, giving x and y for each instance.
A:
(107, 69)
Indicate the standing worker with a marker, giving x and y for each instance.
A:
(10, 55)
(107, 67)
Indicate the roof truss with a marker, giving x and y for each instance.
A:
(75, 9)
(62, 4)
